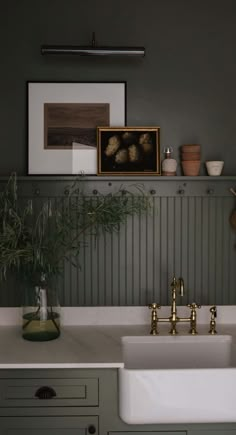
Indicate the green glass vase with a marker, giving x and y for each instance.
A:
(41, 314)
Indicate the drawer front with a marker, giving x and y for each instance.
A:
(214, 432)
(49, 392)
(83, 425)
(131, 432)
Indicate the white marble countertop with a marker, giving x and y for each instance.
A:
(91, 346)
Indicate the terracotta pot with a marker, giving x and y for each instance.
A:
(191, 167)
(191, 156)
(191, 148)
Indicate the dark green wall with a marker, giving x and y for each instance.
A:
(185, 84)
(185, 233)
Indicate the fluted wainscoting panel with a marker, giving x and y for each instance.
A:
(185, 236)
(186, 233)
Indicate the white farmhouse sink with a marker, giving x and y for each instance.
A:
(177, 379)
(177, 352)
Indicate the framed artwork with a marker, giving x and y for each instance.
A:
(128, 151)
(62, 123)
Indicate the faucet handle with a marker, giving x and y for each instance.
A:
(154, 306)
(193, 306)
(193, 317)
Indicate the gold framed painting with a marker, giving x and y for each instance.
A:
(128, 150)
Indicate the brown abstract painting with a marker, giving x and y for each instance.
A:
(73, 125)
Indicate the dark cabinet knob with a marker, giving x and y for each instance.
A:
(91, 429)
(45, 393)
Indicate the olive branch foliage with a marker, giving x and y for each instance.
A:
(36, 238)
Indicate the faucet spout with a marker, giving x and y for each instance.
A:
(177, 285)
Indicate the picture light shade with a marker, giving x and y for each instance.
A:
(92, 50)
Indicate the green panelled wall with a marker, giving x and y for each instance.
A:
(187, 233)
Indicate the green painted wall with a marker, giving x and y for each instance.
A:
(185, 84)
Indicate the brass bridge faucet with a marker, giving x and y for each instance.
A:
(176, 285)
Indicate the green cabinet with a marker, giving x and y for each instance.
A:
(213, 432)
(50, 392)
(49, 402)
(76, 402)
(49, 425)
(148, 433)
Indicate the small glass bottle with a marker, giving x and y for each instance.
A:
(169, 165)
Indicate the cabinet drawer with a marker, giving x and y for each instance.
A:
(147, 432)
(83, 425)
(214, 432)
(49, 392)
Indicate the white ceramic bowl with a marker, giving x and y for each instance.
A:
(214, 168)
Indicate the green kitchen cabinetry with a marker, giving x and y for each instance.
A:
(43, 402)
(75, 402)
(50, 392)
(213, 432)
(48, 425)
(147, 433)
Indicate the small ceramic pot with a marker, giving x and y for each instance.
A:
(191, 167)
(191, 156)
(214, 168)
(191, 148)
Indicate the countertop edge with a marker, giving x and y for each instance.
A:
(21, 366)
